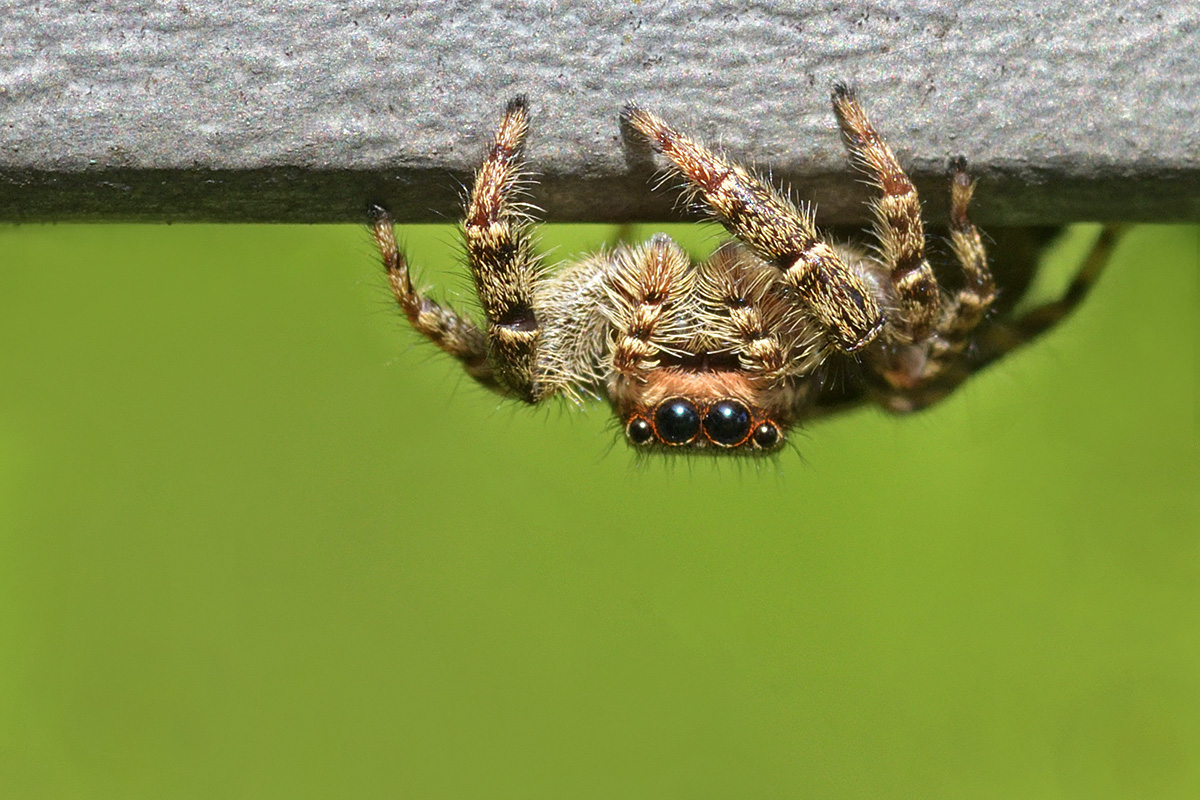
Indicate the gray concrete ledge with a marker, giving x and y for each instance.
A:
(308, 111)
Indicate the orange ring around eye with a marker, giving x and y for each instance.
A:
(767, 435)
(639, 430)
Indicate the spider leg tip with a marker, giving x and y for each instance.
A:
(377, 213)
(518, 103)
(640, 123)
(842, 91)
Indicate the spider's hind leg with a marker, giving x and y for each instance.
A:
(996, 339)
(1003, 337)
(898, 223)
(501, 258)
(979, 289)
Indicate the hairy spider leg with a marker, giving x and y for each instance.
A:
(500, 254)
(454, 334)
(978, 292)
(997, 338)
(742, 312)
(776, 230)
(1002, 337)
(898, 225)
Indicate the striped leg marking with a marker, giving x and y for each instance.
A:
(775, 229)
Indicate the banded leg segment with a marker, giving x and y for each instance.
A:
(776, 230)
(944, 373)
(456, 335)
(501, 258)
(979, 289)
(898, 223)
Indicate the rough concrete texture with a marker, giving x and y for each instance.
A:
(307, 111)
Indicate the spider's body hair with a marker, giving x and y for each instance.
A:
(650, 304)
(642, 323)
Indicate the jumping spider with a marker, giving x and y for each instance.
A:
(730, 353)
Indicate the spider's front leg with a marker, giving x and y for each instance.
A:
(838, 297)
(502, 261)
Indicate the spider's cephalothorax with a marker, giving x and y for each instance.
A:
(726, 354)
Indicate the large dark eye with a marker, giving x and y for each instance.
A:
(727, 423)
(639, 431)
(677, 421)
(766, 435)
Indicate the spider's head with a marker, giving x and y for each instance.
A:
(713, 410)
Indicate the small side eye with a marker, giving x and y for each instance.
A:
(639, 431)
(677, 421)
(766, 435)
(727, 423)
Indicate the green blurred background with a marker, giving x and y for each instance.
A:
(256, 541)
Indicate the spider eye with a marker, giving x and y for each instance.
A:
(639, 431)
(677, 421)
(766, 435)
(727, 423)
